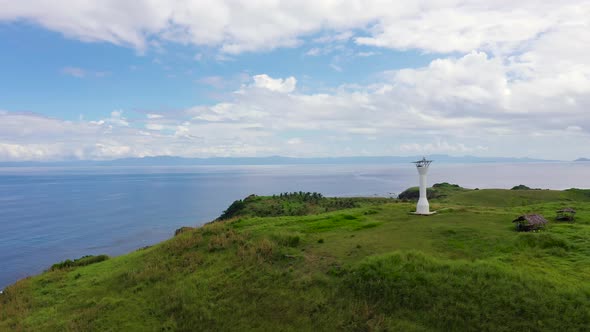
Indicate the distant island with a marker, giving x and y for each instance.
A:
(271, 160)
(582, 159)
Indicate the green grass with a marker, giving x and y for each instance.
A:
(293, 204)
(322, 266)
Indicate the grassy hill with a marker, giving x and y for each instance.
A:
(299, 262)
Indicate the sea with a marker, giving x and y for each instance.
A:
(49, 214)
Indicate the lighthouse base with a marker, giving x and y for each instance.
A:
(423, 207)
(424, 213)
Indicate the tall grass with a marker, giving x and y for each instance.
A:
(463, 296)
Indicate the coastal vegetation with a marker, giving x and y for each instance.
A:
(82, 261)
(293, 204)
(303, 262)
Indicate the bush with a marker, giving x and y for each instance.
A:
(414, 193)
(520, 187)
(287, 204)
(233, 210)
(82, 261)
(445, 185)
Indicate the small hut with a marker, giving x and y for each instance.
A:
(529, 222)
(566, 214)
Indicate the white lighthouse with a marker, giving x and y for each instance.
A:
(423, 207)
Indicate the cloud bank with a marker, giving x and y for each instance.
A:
(242, 26)
(472, 104)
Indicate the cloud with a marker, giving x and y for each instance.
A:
(154, 126)
(295, 141)
(338, 37)
(453, 105)
(81, 73)
(336, 67)
(235, 27)
(225, 82)
(462, 27)
(366, 54)
(314, 51)
(279, 85)
(116, 119)
(440, 146)
(362, 131)
(27, 151)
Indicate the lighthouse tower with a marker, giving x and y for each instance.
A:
(423, 207)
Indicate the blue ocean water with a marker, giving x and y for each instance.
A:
(51, 214)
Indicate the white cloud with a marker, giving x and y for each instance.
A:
(117, 119)
(82, 73)
(339, 37)
(462, 27)
(362, 131)
(461, 102)
(295, 141)
(279, 85)
(154, 126)
(27, 151)
(242, 26)
(366, 54)
(336, 67)
(314, 51)
(440, 147)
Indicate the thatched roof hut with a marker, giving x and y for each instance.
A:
(566, 214)
(530, 222)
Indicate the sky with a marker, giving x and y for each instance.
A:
(96, 80)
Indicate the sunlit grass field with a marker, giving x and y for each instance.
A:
(307, 263)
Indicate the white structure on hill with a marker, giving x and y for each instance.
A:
(423, 207)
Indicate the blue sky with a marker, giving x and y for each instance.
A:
(190, 78)
(36, 62)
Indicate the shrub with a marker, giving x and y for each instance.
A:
(82, 261)
(414, 193)
(520, 187)
(445, 185)
(233, 210)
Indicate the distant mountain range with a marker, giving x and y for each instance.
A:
(582, 159)
(273, 160)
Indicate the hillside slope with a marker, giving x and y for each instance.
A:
(313, 264)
